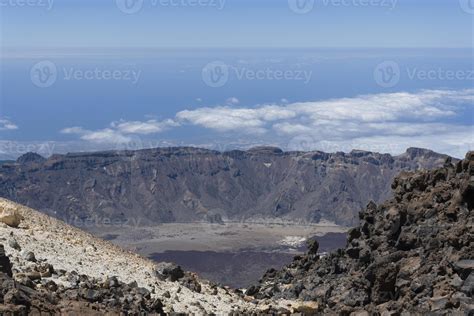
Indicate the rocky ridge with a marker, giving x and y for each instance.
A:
(189, 184)
(413, 253)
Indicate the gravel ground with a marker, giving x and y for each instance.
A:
(230, 237)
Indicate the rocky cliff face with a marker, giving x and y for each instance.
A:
(188, 184)
(412, 253)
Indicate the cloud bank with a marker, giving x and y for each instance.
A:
(6, 125)
(121, 131)
(387, 122)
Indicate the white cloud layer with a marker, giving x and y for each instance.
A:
(144, 128)
(6, 125)
(232, 101)
(122, 131)
(227, 119)
(386, 122)
(105, 136)
(427, 105)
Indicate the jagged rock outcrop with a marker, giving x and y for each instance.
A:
(412, 253)
(189, 184)
(30, 158)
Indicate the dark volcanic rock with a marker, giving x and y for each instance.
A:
(29, 256)
(34, 296)
(30, 158)
(169, 271)
(5, 265)
(13, 243)
(413, 253)
(188, 184)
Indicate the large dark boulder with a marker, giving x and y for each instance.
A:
(5, 265)
(169, 271)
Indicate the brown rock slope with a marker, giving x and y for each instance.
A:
(190, 184)
(413, 253)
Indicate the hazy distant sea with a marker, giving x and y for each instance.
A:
(171, 80)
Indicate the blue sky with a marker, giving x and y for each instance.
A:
(336, 76)
(238, 23)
